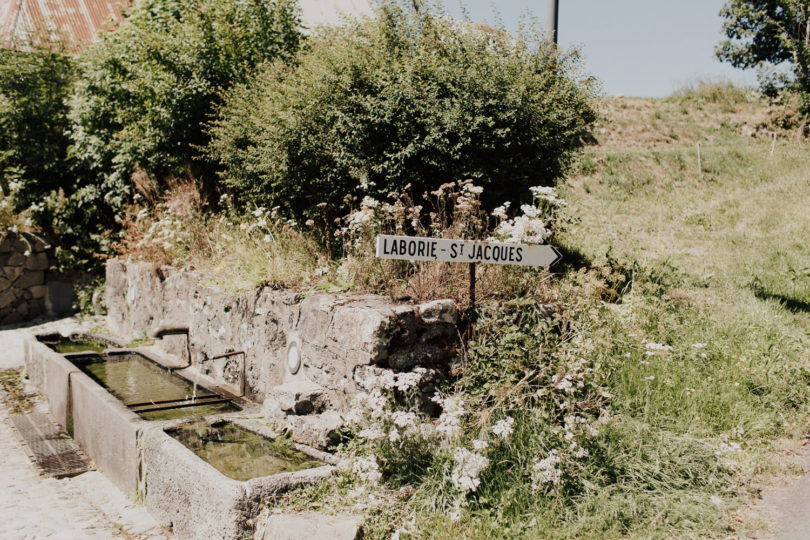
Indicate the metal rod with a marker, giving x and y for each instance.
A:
(162, 401)
(181, 406)
(553, 20)
(472, 286)
(227, 355)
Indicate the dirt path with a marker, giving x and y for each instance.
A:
(33, 507)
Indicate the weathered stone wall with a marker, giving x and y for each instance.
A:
(23, 263)
(337, 333)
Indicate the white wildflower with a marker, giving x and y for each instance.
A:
(403, 419)
(566, 385)
(503, 428)
(654, 347)
(468, 468)
(500, 212)
(450, 420)
(650, 378)
(367, 469)
(408, 380)
(478, 444)
(546, 471)
(393, 435)
(717, 501)
(372, 433)
(699, 345)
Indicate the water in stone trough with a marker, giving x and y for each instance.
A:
(241, 454)
(134, 379)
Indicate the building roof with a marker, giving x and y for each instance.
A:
(73, 22)
(78, 22)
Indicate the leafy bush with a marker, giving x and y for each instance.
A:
(34, 86)
(413, 99)
(147, 87)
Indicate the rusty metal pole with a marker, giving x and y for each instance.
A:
(553, 20)
(472, 286)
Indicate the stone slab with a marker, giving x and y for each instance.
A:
(311, 526)
(107, 431)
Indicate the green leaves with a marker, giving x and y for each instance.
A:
(410, 99)
(768, 31)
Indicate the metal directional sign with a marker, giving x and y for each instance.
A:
(415, 248)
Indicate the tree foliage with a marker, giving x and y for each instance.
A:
(768, 32)
(412, 100)
(34, 86)
(147, 87)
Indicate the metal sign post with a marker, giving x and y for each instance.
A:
(416, 248)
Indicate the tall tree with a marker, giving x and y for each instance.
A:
(769, 31)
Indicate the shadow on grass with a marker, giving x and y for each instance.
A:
(791, 304)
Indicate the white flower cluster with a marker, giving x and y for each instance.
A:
(449, 423)
(528, 227)
(503, 428)
(654, 348)
(546, 471)
(469, 466)
(548, 194)
(367, 469)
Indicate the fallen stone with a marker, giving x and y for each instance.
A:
(318, 430)
(297, 397)
(311, 526)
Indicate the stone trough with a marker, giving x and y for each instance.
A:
(179, 488)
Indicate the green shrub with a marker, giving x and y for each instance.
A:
(33, 123)
(147, 87)
(408, 99)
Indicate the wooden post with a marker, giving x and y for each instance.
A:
(700, 164)
(773, 144)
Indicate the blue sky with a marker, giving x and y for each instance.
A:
(635, 47)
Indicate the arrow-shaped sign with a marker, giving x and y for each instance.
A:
(415, 248)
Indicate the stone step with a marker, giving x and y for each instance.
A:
(312, 526)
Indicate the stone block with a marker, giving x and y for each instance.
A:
(39, 291)
(312, 526)
(36, 261)
(29, 279)
(317, 430)
(12, 272)
(297, 397)
(7, 298)
(16, 259)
